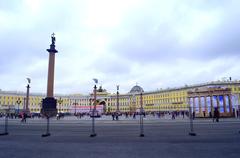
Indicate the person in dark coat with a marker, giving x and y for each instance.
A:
(113, 116)
(134, 115)
(216, 114)
(24, 117)
(210, 114)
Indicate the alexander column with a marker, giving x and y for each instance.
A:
(49, 104)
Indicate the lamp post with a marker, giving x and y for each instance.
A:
(59, 108)
(239, 114)
(90, 103)
(40, 107)
(93, 134)
(27, 97)
(60, 102)
(117, 111)
(18, 102)
(75, 106)
(141, 116)
(24, 103)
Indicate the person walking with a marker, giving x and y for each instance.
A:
(22, 116)
(25, 117)
(173, 116)
(113, 116)
(216, 114)
(134, 115)
(193, 115)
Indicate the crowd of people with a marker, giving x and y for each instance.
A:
(115, 115)
(21, 115)
(167, 114)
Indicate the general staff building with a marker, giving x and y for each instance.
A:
(203, 98)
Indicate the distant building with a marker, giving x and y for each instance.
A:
(203, 98)
(16, 101)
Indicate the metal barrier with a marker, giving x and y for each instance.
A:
(5, 126)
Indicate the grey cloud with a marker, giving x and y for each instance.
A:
(9, 6)
(147, 35)
(112, 66)
(222, 41)
(146, 43)
(20, 47)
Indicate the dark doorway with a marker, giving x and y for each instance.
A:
(104, 106)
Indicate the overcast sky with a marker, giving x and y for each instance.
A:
(155, 43)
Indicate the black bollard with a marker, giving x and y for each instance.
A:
(141, 125)
(6, 126)
(191, 133)
(93, 134)
(47, 132)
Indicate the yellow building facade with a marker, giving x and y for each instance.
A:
(16, 102)
(171, 99)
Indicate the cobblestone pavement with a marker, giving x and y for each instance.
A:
(163, 138)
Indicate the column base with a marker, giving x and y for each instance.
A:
(46, 135)
(49, 107)
(192, 133)
(141, 135)
(3, 134)
(93, 135)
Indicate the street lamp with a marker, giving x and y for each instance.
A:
(90, 103)
(93, 134)
(27, 97)
(40, 107)
(141, 116)
(60, 102)
(75, 104)
(18, 102)
(117, 111)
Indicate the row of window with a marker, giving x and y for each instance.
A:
(147, 99)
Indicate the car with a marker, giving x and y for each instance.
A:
(95, 114)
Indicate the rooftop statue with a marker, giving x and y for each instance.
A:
(52, 46)
(53, 39)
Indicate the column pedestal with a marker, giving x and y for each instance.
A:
(49, 106)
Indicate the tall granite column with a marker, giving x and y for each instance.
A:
(49, 107)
